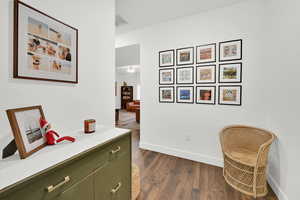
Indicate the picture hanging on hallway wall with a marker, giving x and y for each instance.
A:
(230, 95)
(185, 75)
(185, 56)
(44, 47)
(166, 94)
(230, 73)
(166, 76)
(206, 74)
(206, 53)
(166, 58)
(206, 94)
(230, 50)
(185, 94)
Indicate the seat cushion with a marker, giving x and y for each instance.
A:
(244, 155)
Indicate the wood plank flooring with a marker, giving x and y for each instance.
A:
(166, 177)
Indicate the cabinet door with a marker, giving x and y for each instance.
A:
(116, 175)
(82, 190)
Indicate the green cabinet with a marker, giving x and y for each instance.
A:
(83, 190)
(101, 173)
(113, 181)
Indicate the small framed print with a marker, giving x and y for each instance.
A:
(206, 95)
(185, 94)
(166, 76)
(230, 73)
(25, 124)
(230, 50)
(230, 95)
(185, 75)
(206, 53)
(206, 74)
(166, 58)
(185, 56)
(166, 94)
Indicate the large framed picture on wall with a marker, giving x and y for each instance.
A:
(44, 47)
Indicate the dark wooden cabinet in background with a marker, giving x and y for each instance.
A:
(126, 95)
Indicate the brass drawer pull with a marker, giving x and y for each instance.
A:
(116, 189)
(51, 188)
(116, 151)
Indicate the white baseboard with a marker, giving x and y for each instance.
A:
(277, 190)
(183, 154)
(207, 160)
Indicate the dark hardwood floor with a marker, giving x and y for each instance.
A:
(166, 177)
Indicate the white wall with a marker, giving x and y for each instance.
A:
(65, 105)
(270, 33)
(128, 55)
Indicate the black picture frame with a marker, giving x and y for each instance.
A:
(219, 95)
(230, 41)
(173, 82)
(241, 72)
(193, 74)
(159, 55)
(215, 74)
(192, 57)
(17, 44)
(206, 62)
(159, 97)
(193, 95)
(215, 94)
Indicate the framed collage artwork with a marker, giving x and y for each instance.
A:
(198, 79)
(44, 47)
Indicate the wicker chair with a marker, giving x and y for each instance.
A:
(245, 151)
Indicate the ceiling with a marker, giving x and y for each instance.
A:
(134, 14)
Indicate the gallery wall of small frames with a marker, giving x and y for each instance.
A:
(201, 75)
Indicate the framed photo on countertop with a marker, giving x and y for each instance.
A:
(25, 125)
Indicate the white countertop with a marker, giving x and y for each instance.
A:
(13, 169)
